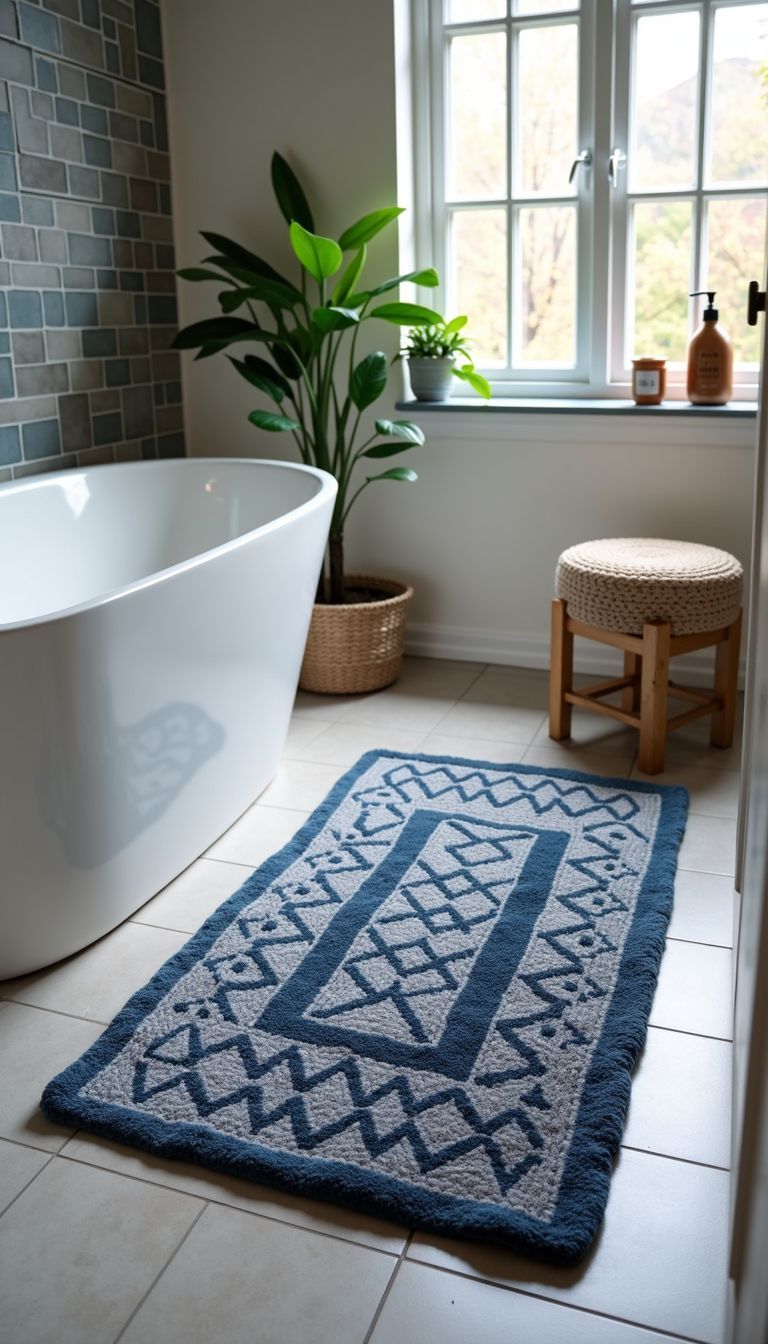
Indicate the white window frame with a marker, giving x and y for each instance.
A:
(606, 42)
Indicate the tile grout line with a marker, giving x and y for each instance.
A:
(160, 1274)
(27, 1184)
(390, 1284)
(214, 1200)
(674, 1157)
(60, 1012)
(555, 1301)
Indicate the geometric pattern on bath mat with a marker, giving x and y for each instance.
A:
(427, 1005)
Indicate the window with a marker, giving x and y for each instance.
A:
(583, 168)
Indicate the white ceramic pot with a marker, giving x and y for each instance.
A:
(431, 379)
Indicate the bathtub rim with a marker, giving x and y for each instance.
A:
(328, 488)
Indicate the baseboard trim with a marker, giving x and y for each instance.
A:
(469, 644)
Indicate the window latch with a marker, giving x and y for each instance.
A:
(755, 302)
(617, 160)
(582, 160)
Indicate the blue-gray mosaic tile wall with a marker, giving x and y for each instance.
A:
(87, 284)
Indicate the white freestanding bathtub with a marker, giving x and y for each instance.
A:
(152, 623)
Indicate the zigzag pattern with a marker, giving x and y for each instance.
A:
(309, 1137)
(562, 795)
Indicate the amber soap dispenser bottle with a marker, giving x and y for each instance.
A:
(710, 359)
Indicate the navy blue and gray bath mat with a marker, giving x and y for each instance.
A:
(427, 1005)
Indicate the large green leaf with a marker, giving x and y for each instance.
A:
(287, 362)
(401, 429)
(349, 278)
(271, 292)
(198, 273)
(212, 329)
(429, 278)
(335, 319)
(241, 256)
(406, 314)
(387, 449)
(368, 380)
(273, 385)
(289, 194)
(322, 257)
(246, 275)
(476, 381)
(395, 474)
(366, 228)
(270, 420)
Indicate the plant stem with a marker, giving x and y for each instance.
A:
(336, 552)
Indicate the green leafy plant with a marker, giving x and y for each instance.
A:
(446, 340)
(309, 331)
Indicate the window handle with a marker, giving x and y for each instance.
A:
(617, 160)
(582, 160)
(755, 302)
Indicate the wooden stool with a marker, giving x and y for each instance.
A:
(659, 591)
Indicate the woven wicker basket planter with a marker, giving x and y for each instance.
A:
(357, 646)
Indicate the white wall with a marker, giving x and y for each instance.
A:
(499, 495)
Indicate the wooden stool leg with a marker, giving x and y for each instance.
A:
(726, 680)
(653, 697)
(560, 673)
(630, 696)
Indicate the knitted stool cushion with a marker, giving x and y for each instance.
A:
(620, 583)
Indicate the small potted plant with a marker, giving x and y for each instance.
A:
(432, 352)
(321, 393)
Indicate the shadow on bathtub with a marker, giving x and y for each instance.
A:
(123, 779)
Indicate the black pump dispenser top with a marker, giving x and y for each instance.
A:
(710, 312)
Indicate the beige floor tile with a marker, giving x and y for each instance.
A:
(660, 1259)
(712, 793)
(570, 756)
(302, 731)
(502, 722)
(703, 908)
(426, 1304)
(439, 677)
(300, 785)
(80, 1247)
(95, 983)
(242, 1279)
(681, 1098)
(313, 1214)
(397, 709)
(694, 990)
(520, 686)
(593, 733)
(18, 1166)
(473, 748)
(709, 845)
(34, 1046)
(187, 902)
(324, 708)
(259, 833)
(343, 743)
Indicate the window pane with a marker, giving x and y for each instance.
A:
(664, 97)
(737, 254)
(477, 127)
(739, 136)
(545, 286)
(474, 11)
(543, 6)
(479, 273)
(661, 279)
(547, 113)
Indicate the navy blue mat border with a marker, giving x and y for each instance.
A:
(600, 1120)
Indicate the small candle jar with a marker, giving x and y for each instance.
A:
(649, 380)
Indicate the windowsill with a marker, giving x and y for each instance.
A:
(736, 410)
